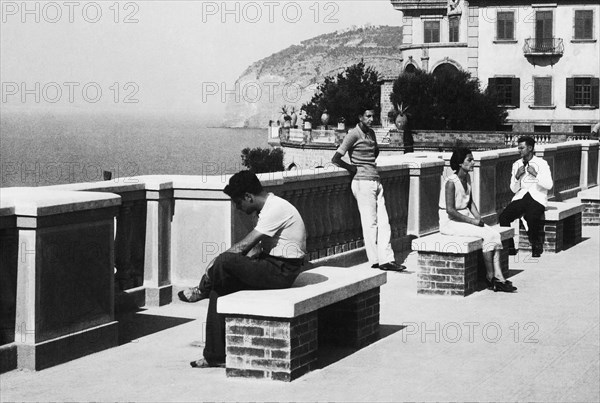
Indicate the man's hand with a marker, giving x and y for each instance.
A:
(531, 170)
(520, 172)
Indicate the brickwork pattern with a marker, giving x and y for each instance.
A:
(272, 348)
(591, 212)
(353, 322)
(451, 274)
(447, 274)
(558, 235)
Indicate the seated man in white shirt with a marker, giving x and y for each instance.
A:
(530, 181)
(281, 233)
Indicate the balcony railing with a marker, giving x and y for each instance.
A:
(543, 46)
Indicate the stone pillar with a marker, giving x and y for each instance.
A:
(484, 185)
(548, 152)
(65, 274)
(473, 40)
(425, 174)
(157, 262)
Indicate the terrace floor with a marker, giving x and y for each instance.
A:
(539, 344)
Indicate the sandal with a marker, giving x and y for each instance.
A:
(202, 363)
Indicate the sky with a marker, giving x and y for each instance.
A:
(154, 56)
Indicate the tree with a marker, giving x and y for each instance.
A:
(259, 160)
(344, 94)
(447, 100)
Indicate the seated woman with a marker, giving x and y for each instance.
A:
(459, 216)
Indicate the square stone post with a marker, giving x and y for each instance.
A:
(425, 174)
(65, 274)
(548, 152)
(484, 185)
(157, 261)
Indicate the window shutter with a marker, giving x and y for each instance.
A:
(570, 92)
(595, 92)
(516, 92)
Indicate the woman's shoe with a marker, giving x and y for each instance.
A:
(505, 286)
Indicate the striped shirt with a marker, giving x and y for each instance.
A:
(363, 151)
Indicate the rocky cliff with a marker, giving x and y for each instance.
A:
(291, 76)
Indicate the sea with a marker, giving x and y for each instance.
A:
(49, 148)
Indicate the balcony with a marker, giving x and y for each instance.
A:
(543, 47)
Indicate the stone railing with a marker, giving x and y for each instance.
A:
(63, 247)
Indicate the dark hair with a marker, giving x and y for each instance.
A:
(241, 183)
(364, 107)
(527, 140)
(458, 157)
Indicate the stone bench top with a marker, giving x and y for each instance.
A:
(556, 211)
(313, 289)
(453, 244)
(592, 194)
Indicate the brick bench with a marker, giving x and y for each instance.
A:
(450, 265)
(274, 334)
(562, 227)
(591, 206)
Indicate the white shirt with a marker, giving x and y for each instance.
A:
(537, 186)
(280, 220)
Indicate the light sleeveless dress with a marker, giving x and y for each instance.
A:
(491, 238)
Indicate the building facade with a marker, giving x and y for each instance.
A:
(543, 59)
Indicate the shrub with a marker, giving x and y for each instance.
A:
(260, 160)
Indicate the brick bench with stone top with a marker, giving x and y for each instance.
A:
(591, 205)
(562, 227)
(452, 265)
(274, 334)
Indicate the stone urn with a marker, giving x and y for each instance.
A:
(400, 122)
(325, 118)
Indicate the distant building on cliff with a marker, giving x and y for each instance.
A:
(543, 58)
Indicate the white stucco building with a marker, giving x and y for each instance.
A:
(542, 58)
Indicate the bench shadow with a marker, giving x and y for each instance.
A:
(567, 246)
(133, 323)
(329, 353)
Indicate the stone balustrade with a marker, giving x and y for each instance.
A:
(62, 251)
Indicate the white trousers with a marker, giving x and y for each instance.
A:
(374, 220)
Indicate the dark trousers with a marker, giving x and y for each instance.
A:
(232, 272)
(533, 212)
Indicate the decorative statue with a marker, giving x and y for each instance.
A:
(454, 7)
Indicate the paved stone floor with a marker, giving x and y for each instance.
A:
(540, 344)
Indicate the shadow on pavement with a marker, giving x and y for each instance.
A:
(330, 353)
(134, 325)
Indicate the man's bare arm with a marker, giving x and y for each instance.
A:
(245, 245)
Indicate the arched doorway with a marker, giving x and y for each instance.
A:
(410, 68)
(445, 68)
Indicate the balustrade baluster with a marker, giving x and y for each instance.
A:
(338, 223)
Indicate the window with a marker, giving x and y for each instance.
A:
(454, 29)
(584, 24)
(582, 129)
(507, 90)
(544, 40)
(542, 91)
(505, 28)
(582, 92)
(432, 31)
(542, 129)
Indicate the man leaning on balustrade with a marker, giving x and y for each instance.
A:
(530, 181)
(361, 145)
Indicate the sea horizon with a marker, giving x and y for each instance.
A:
(42, 147)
